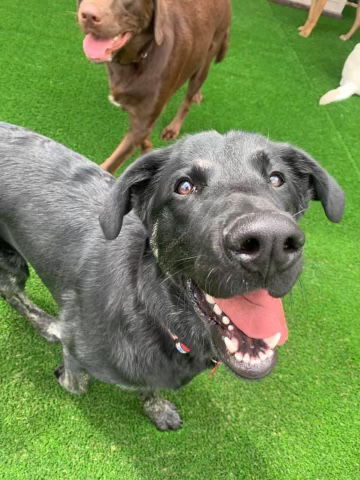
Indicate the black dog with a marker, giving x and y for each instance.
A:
(212, 213)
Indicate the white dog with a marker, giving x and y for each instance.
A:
(350, 80)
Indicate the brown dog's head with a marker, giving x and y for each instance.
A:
(111, 24)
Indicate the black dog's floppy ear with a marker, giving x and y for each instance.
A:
(324, 187)
(119, 201)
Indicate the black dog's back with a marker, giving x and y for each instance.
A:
(37, 165)
(48, 188)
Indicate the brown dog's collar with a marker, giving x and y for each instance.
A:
(140, 55)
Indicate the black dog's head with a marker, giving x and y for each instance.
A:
(221, 212)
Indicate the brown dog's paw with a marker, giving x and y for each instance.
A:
(170, 132)
(305, 31)
(146, 146)
(198, 98)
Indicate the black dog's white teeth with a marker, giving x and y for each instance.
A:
(271, 342)
(253, 357)
(248, 351)
(232, 344)
(217, 309)
(209, 299)
(251, 360)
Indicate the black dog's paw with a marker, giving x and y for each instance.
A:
(162, 413)
(75, 383)
(169, 418)
(59, 371)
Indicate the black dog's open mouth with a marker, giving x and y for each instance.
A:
(245, 355)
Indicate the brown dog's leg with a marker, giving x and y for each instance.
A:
(193, 95)
(120, 154)
(146, 145)
(355, 26)
(197, 98)
(317, 6)
(136, 137)
(173, 129)
(310, 14)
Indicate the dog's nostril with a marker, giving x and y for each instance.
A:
(293, 244)
(250, 246)
(90, 17)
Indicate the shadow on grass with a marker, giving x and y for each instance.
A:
(207, 446)
(203, 448)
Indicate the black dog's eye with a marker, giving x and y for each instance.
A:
(276, 179)
(184, 187)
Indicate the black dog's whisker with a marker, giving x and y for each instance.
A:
(298, 213)
(171, 276)
(207, 279)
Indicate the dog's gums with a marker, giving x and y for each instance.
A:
(247, 357)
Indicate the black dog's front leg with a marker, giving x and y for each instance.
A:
(161, 412)
(71, 376)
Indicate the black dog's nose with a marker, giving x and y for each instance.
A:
(264, 241)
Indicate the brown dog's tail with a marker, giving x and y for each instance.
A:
(223, 48)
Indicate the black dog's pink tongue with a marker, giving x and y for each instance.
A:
(257, 314)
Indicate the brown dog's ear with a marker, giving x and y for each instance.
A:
(129, 187)
(161, 17)
(323, 186)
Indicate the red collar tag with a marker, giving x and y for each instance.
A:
(182, 348)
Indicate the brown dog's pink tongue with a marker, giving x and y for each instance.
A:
(257, 314)
(95, 48)
(101, 49)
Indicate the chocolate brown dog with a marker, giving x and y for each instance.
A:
(151, 48)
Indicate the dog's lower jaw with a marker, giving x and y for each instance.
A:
(247, 357)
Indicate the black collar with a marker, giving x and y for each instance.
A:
(140, 56)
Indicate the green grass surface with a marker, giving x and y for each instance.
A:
(302, 422)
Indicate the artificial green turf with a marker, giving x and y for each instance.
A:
(301, 422)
